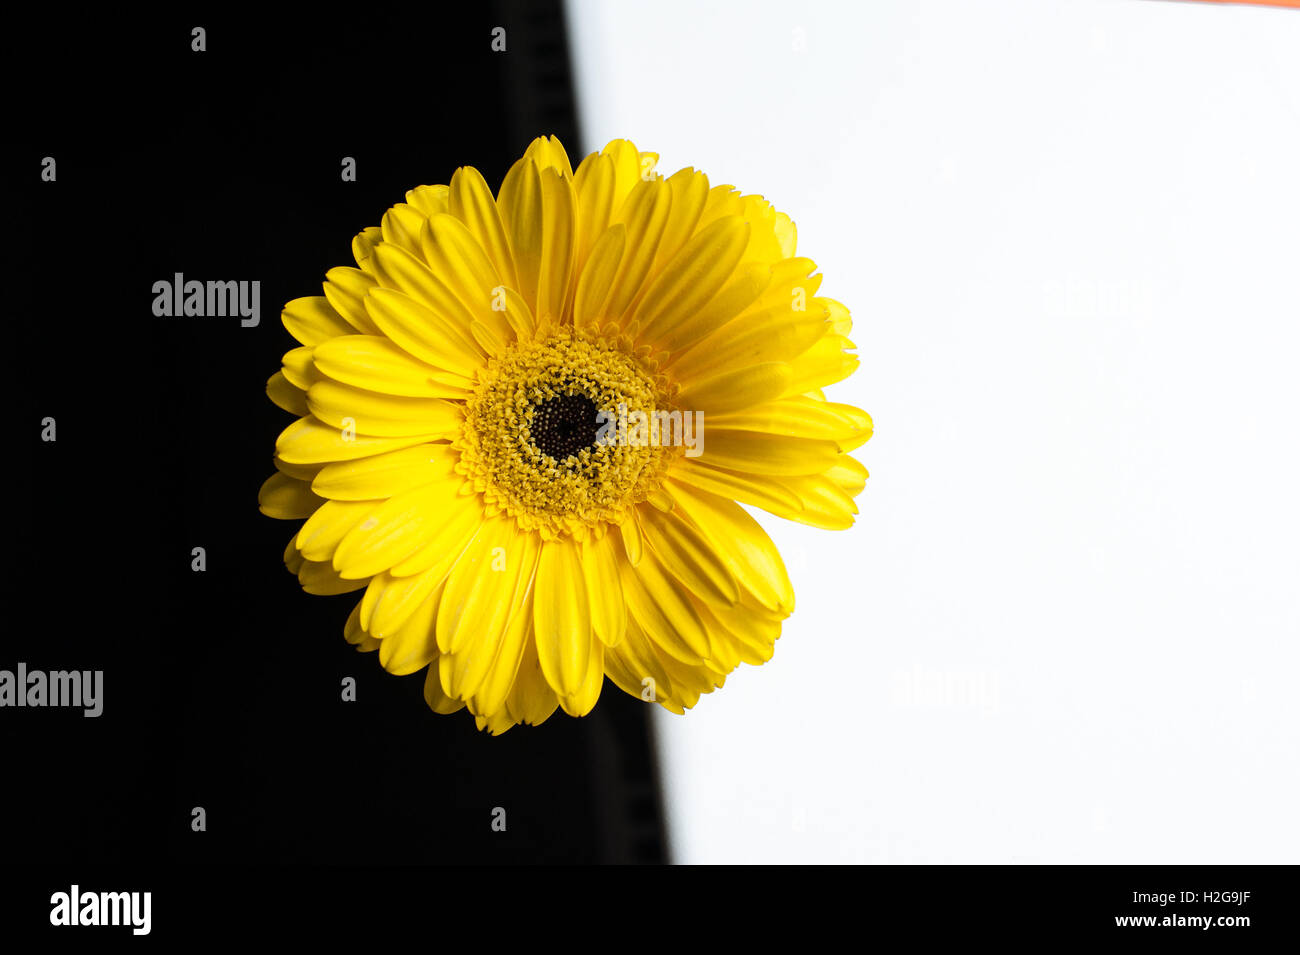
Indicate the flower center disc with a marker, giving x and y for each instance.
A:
(564, 425)
(536, 445)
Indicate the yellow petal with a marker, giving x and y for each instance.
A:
(630, 534)
(757, 489)
(562, 617)
(801, 416)
(423, 334)
(531, 699)
(741, 543)
(298, 368)
(494, 690)
(363, 245)
(736, 388)
(689, 556)
(447, 541)
(439, 701)
(471, 201)
(520, 203)
(690, 190)
(345, 288)
(645, 213)
(286, 498)
(321, 579)
(460, 263)
(598, 276)
(412, 646)
(395, 529)
(400, 226)
(604, 591)
(754, 452)
(823, 503)
(318, 538)
(584, 700)
(286, 395)
(383, 416)
(824, 363)
(690, 280)
(594, 183)
(771, 334)
(313, 320)
(385, 475)
(658, 604)
(377, 364)
(390, 601)
(311, 441)
(430, 200)
(558, 236)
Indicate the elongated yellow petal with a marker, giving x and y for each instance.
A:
(313, 320)
(345, 287)
(363, 246)
(424, 334)
(760, 490)
(584, 700)
(471, 201)
(445, 542)
(520, 203)
(298, 368)
(395, 530)
(690, 191)
(287, 498)
(740, 542)
(455, 256)
(286, 395)
(389, 601)
(413, 645)
(531, 699)
(600, 559)
(437, 699)
(755, 452)
(736, 388)
(689, 280)
(310, 441)
(598, 276)
(321, 579)
(657, 603)
(562, 617)
(400, 226)
(827, 361)
(689, 556)
(494, 690)
(384, 475)
(383, 416)
(594, 183)
(377, 364)
(318, 538)
(773, 334)
(477, 602)
(801, 416)
(644, 213)
(430, 200)
(823, 502)
(559, 231)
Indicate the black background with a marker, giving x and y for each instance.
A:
(222, 688)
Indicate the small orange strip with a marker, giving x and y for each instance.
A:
(1293, 4)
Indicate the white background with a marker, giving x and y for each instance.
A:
(1064, 628)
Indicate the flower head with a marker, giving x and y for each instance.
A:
(525, 422)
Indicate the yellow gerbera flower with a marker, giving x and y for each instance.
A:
(525, 422)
